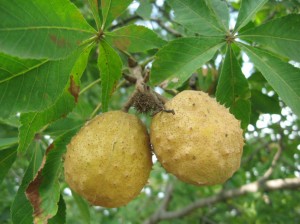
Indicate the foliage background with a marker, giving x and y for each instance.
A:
(271, 150)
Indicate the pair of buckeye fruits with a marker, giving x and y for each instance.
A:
(109, 160)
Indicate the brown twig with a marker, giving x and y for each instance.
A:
(170, 30)
(125, 21)
(163, 207)
(270, 185)
(275, 160)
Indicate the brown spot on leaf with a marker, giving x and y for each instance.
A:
(60, 42)
(32, 191)
(74, 89)
(122, 43)
(50, 147)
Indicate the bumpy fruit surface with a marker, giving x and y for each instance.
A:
(109, 161)
(201, 143)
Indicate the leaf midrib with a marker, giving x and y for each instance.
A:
(23, 72)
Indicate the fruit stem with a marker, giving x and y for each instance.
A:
(143, 98)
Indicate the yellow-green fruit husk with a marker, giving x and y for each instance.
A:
(109, 161)
(202, 143)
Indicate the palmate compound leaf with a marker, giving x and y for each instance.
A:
(44, 191)
(233, 89)
(177, 60)
(247, 11)
(32, 85)
(32, 122)
(110, 66)
(42, 29)
(201, 16)
(281, 36)
(111, 9)
(282, 76)
(21, 209)
(134, 38)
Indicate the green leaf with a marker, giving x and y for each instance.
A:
(42, 29)
(220, 10)
(21, 209)
(283, 77)
(111, 9)
(247, 11)
(11, 66)
(198, 17)
(33, 85)
(177, 60)
(262, 103)
(110, 66)
(7, 158)
(134, 38)
(94, 5)
(281, 36)
(44, 191)
(32, 122)
(60, 217)
(233, 89)
(6, 143)
(83, 207)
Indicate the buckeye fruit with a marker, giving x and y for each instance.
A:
(109, 161)
(201, 143)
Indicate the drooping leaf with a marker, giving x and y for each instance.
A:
(134, 38)
(110, 66)
(44, 191)
(233, 89)
(94, 5)
(83, 207)
(42, 29)
(197, 16)
(6, 143)
(262, 103)
(33, 85)
(60, 217)
(7, 158)
(111, 9)
(283, 77)
(32, 122)
(281, 36)
(21, 209)
(247, 10)
(220, 10)
(177, 60)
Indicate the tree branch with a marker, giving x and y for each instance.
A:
(124, 22)
(271, 185)
(163, 207)
(168, 29)
(269, 171)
